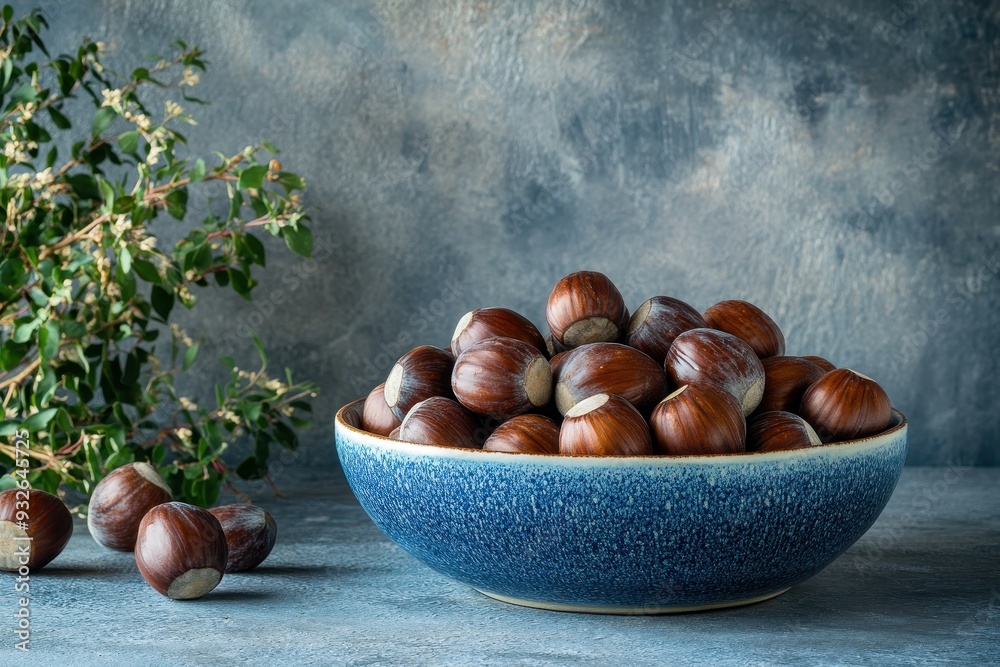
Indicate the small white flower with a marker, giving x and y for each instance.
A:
(112, 98)
(173, 109)
(187, 403)
(101, 48)
(27, 111)
(142, 122)
(147, 243)
(42, 179)
(121, 224)
(184, 434)
(18, 180)
(154, 154)
(190, 78)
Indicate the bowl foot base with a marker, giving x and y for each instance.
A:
(627, 610)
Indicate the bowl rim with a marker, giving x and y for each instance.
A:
(828, 449)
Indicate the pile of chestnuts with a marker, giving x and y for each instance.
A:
(665, 380)
(181, 550)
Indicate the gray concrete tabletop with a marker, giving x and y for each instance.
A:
(921, 587)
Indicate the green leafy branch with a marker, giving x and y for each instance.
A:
(85, 291)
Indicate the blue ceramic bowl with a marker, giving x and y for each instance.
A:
(629, 535)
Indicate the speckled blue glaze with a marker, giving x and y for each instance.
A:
(630, 535)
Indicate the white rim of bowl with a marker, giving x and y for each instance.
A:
(826, 450)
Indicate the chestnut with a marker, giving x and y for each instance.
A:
(377, 417)
(502, 377)
(777, 431)
(708, 356)
(844, 404)
(250, 534)
(785, 380)
(553, 347)
(181, 550)
(748, 322)
(586, 307)
(119, 502)
(821, 362)
(440, 421)
(483, 323)
(525, 434)
(422, 372)
(698, 419)
(609, 368)
(34, 528)
(657, 322)
(604, 425)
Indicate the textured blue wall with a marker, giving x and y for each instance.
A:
(834, 162)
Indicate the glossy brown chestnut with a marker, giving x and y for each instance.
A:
(250, 534)
(821, 362)
(778, 431)
(422, 372)
(708, 356)
(698, 419)
(785, 381)
(119, 502)
(748, 322)
(482, 323)
(657, 322)
(440, 421)
(609, 368)
(502, 377)
(525, 434)
(555, 363)
(34, 528)
(844, 404)
(377, 417)
(181, 550)
(586, 307)
(604, 425)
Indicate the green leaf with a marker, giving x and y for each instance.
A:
(48, 340)
(102, 120)
(190, 355)
(252, 177)
(255, 248)
(129, 142)
(260, 348)
(108, 192)
(197, 171)
(9, 428)
(125, 257)
(58, 119)
(25, 93)
(177, 203)
(84, 186)
(39, 420)
(241, 284)
(146, 270)
(291, 181)
(234, 205)
(299, 240)
(22, 333)
(251, 468)
(157, 455)
(162, 301)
